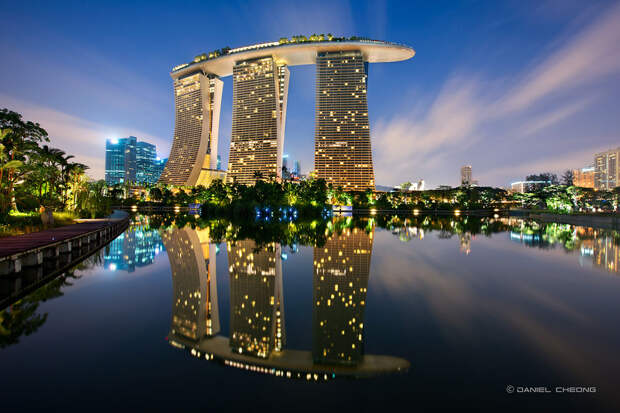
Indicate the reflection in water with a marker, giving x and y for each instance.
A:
(599, 246)
(194, 304)
(257, 328)
(341, 270)
(257, 311)
(22, 318)
(136, 247)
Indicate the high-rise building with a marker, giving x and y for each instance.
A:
(466, 175)
(130, 161)
(260, 90)
(120, 160)
(342, 150)
(341, 272)
(607, 169)
(146, 157)
(297, 168)
(528, 186)
(584, 177)
(193, 156)
(158, 169)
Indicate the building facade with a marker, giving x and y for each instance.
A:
(193, 156)
(260, 73)
(342, 149)
(260, 90)
(466, 175)
(584, 177)
(606, 169)
(528, 186)
(146, 156)
(120, 160)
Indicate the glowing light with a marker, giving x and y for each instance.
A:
(113, 141)
(416, 212)
(457, 212)
(373, 211)
(112, 267)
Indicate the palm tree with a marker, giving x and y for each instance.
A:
(258, 175)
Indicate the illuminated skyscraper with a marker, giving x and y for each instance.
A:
(120, 160)
(341, 271)
(256, 301)
(260, 90)
(194, 302)
(342, 151)
(193, 157)
(466, 175)
(607, 169)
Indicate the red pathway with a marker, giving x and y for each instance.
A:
(22, 243)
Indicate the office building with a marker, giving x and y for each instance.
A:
(146, 157)
(528, 186)
(131, 161)
(466, 175)
(607, 170)
(120, 160)
(584, 177)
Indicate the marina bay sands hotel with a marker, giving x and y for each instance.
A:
(342, 146)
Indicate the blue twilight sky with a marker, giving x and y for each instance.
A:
(512, 87)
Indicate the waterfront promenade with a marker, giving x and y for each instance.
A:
(32, 249)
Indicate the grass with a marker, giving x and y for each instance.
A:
(18, 223)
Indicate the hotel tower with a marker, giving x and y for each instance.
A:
(260, 89)
(342, 154)
(193, 157)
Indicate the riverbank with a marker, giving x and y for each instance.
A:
(604, 221)
(33, 249)
(28, 222)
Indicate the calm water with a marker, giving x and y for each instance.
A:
(347, 314)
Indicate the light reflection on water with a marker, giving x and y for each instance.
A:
(424, 303)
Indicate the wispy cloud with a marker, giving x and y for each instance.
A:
(83, 138)
(465, 113)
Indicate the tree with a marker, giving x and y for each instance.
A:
(19, 143)
(545, 176)
(405, 186)
(567, 177)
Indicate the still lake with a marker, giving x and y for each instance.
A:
(342, 314)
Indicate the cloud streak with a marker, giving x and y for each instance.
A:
(466, 114)
(76, 136)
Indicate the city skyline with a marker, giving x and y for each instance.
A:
(524, 87)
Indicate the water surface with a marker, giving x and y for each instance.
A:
(351, 313)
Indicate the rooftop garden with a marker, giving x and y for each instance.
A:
(283, 40)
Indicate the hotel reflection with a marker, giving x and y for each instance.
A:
(341, 270)
(257, 311)
(257, 325)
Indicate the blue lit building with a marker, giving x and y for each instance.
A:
(128, 160)
(145, 163)
(120, 160)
